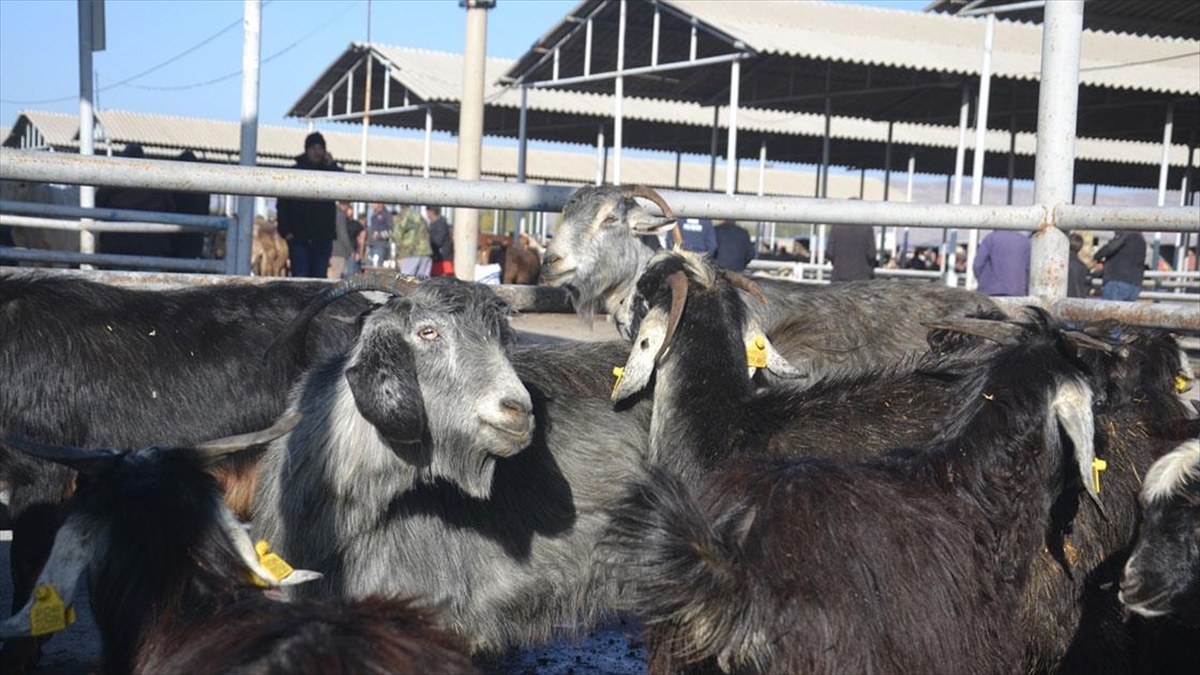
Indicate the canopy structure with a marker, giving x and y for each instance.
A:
(875, 63)
(1162, 18)
(414, 88)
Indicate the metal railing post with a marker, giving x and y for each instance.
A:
(1054, 164)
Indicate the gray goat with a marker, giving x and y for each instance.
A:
(503, 540)
(837, 329)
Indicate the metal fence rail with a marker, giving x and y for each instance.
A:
(329, 185)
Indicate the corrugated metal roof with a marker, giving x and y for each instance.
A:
(879, 63)
(56, 128)
(213, 140)
(1162, 18)
(896, 38)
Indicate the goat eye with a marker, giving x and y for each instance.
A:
(428, 333)
(609, 220)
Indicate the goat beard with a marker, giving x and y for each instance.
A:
(457, 460)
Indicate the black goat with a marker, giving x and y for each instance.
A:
(827, 330)
(91, 365)
(913, 563)
(171, 572)
(1071, 621)
(1162, 575)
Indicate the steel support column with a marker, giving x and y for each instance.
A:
(1054, 168)
(238, 246)
(735, 71)
(87, 120)
(981, 119)
(470, 133)
(618, 116)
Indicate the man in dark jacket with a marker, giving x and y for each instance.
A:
(1124, 258)
(309, 226)
(135, 199)
(441, 242)
(734, 248)
(851, 249)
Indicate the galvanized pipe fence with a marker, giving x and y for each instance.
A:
(321, 185)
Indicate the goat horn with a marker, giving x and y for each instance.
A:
(393, 284)
(997, 331)
(743, 282)
(1087, 341)
(679, 290)
(79, 459)
(648, 193)
(210, 451)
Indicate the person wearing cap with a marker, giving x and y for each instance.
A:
(309, 226)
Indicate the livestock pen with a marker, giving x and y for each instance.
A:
(1047, 218)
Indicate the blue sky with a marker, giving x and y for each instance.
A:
(39, 62)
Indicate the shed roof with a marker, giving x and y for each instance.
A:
(435, 78)
(1161, 18)
(878, 63)
(165, 136)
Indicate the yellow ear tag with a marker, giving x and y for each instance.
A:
(1098, 465)
(620, 373)
(277, 566)
(48, 615)
(1181, 384)
(756, 353)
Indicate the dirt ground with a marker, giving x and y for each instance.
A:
(614, 648)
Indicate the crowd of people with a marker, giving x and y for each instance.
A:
(326, 238)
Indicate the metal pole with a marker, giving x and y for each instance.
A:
(362, 153)
(887, 163)
(762, 167)
(54, 167)
(960, 154)
(1012, 156)
(619, 115)
(981, 119)
(470, 133)
(87, 135)
(239, 244)
(1054, 164)
(428, 150)
(678, 166)
(735, 72)
(712, 150)
(1163, 169)
(600, 156)
(825, 147)
(523, 129)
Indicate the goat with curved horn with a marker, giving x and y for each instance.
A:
(392, 284)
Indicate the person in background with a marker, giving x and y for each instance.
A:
(379, 235)
(1124, 258)
(698, 236)
(189, 244)
(344, 261)
(734, 248)
(309, 226)
(1078, 279)
(134, 199)
(1002, 263)
(441, 243)
(411, 235)
(851, 249)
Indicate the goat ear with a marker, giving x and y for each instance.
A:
(69, 557)
(385, 389)
(759, 350)
(652, 334)
(1072, 406)
(279, 574)
(643, 223)
(212, 451)
(80, 459)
